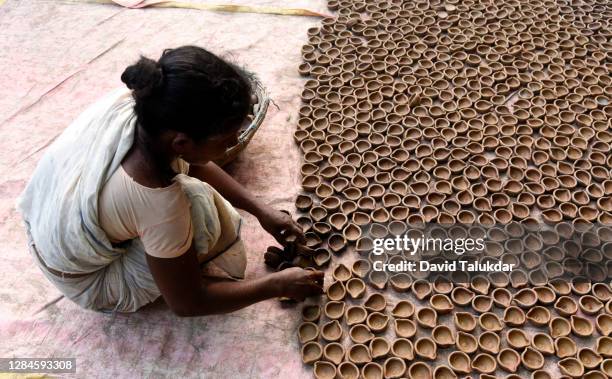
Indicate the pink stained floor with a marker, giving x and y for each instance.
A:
(57, 58)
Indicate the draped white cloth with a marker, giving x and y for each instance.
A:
(60, 210)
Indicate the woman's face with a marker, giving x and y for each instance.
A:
(209, 149)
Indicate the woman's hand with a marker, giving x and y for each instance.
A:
(297, 283)
(279, 224)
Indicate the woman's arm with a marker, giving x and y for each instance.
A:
(187, 294)
(277, 223)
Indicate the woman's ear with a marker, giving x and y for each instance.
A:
(182, 144)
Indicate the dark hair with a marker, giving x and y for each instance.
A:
(189, 90)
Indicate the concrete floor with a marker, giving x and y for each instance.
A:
(58, 57)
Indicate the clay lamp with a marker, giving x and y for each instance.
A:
(484, 363)
(336, 291)
(441, 303)
(404, 328)
(419, 370)
(355, 315)
(377, 322)
(514, 316)
(360, 268)
(590, 304)
(589, 358)
(425, 348)
(378, 279)
(532, 359)
(311, 352)
(460, 362)
(462, 296)
(580, 285)
(539, 316)
(604, 346)
(481, 303)
(606, 367)
(365, 245)
(545, 295)
(517, 339)
(422, 289)
(464, 321)
(581, 326)
(370, 370)
(490, 321)
(561, 287)
(334, 352)
(466, 343)
(480, 284)
(426, 317)
(334, 310)
(543, 343)
(321, 257)
(401, 282)
(559, 327)
(341, 273)
(509, 360)
(489, 342)
(571, 367)
(565, 347)
(336, 242)
(360, 333)
(308, 331)
(359, 354)
(603, 323)
(355, 288)
(525, 298)
(324, 370)
(402, 348)
(375, 303)
(501, 296)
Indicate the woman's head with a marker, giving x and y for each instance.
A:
(190, 98)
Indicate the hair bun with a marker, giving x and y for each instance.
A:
(143, 76)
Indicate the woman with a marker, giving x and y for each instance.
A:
(126, 204)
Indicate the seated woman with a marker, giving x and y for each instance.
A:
(126, 205)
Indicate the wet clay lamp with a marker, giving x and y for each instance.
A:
(543, 343)
(539, 316)
(311, 352)
(517, 339)
(604, 346)
(375, 303)
(425, 348)
(308, 331)
(460, 362)
(401, 282)
(426, 317)
(336, 243)
(443, 336)
(559, 327)
(403, 309)
(394, 367)
(402, 348)
(571, 367)
(466, 343)
(490, 321)
(379, 347)
(341, 273)
(501, 296)
(462, 296)
(336, 291)
(360, 268)
(464, 321)
(514, 316)
(311, 313)
(355, 315)
(480, 285)
(484, 363)
(509, 360)
(525, 298)
(334, 352)
(421, 289)
(590, 305)
(545, 295)
(441, 304)
(377, 322)
(602, 291)
(419, 370)
(581, 326)
(360, 334)
(331, 331)
(532, 359)
(589, 358)
(378, 279)
(566, 306)
(322, 257)
(371, 370)
(404, 328)
(359, 354)
(482, 304)
(565, 347)
(444, 372)
(324, 370)
(489, 342)
(355, 287)
(603, 323)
